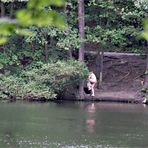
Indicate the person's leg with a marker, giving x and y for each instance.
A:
(93, 91)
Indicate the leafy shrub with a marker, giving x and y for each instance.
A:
(43, 80)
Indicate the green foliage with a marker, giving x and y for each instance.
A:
(8, 59)
(34, 14)
(39, 18)
(58, 75)
(59, 42)
(42, 80)
(69, 39)
(145, 33)
(37, 4)
(12, 87)
(115, 24)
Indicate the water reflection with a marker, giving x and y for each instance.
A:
(91, 108)
(90, 120)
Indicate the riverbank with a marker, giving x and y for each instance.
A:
(123, 77)
(118, 96)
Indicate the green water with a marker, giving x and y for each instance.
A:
(73, 125)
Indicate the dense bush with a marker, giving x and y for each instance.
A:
(42, 80)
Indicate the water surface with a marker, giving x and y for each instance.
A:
(73, 125)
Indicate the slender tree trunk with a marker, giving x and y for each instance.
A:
(46, 51)
(11, 9)
(101, 69)
(97, 62)
(81, 49)
(52, 43)
(146, 74)
(2, 7)
(70, 53)
(81, 28)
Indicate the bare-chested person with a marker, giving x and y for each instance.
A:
(92, 80)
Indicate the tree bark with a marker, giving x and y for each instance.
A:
(97, 63)
(2, 7)
(70, 54)
(46, 51)
(81, 28)
(101, 69)
(11, 9)
(81, 49)
(146, 74)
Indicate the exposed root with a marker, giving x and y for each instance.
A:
(124, 77)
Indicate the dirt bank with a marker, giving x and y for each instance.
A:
(123, 76)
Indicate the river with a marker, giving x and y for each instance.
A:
(73, 125)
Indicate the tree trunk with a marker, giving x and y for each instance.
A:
(81, 33)
(101, 69)
(97, 63)
(146, 75)
(70, 54)
(2, 9)
(81, 28)
(46, 51)
(11, 9)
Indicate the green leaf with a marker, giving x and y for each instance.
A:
(145, 35)
(25, 17)
(58, 20)
(3, 40)
(40, 18)
(39, 4)
(43, 18)
(6, 29)
(24, 32)
(146, 24)
(57, 2)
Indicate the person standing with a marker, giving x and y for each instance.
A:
(92, 80)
